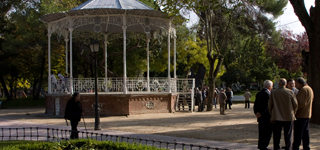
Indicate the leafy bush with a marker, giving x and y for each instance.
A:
(81, 144)
(23, 103)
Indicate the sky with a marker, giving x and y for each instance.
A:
(288, 20)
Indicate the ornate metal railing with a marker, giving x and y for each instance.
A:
(134, 85)
(51, 134)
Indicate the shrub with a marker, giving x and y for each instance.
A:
(81, 144)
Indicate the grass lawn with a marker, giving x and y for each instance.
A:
(8, 143)
(23, 103)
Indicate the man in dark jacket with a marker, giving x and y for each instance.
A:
(204, 96)
(199, 99)
(262, 113)
(229, 94)
(73, 112)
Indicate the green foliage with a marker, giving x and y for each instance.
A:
(53, 6)
(81, 144)
(11, 143)
(23, 103)
(250, 63)
(275, 7)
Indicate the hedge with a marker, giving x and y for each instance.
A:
(81, 144)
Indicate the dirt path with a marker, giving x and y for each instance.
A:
(238, 126)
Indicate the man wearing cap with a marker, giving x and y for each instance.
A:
(222, 100)
(260, 109)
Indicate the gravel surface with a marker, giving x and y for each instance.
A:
(238, 126)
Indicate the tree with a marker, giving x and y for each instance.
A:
(219, 20)
(250, 62)
(311, 22)
(5, 29)
(288, 55)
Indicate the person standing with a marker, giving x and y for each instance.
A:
(53, 81)
(73, 112)
(199, 99)
(229, 94)
(282, 107)
(61, 79)
(291, 86)
(222, 100)
(301, 125)
(215, 97)
(60, 76)
(204, 97)
(260, 109)
(247, 95)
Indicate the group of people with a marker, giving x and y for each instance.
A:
(201, 97)
(222, 97)
(55, 82)
(286, 107)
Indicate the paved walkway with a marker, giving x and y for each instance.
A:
(224, 145)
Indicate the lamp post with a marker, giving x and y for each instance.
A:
(94, 46)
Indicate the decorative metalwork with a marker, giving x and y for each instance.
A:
(140, 85)
(102, 23)
(113, 85)
(150, 105)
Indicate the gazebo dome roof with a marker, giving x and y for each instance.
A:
(112, 4)
(107, 7)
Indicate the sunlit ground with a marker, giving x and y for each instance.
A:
(238, 126)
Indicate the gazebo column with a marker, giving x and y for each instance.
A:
(105, 63)
(71, 70)
(148, 63)
(124, 28)
(49, 60)
(169, 78)
(66, 40)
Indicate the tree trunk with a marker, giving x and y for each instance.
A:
(211, 79)
(2, 93)
(313, 65)
(200, 76)
(34, 86)
(11, 89)
(43, 62)
(5, 88)
(311, 24)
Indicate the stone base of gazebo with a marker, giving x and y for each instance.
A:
(115, 104)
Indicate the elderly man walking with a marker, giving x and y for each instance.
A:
(222, 100)
(282, 107)
(301, 125)
(260, 109)
(247, 95)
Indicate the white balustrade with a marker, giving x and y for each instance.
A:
(115, 85)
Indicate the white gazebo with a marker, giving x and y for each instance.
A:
(104, 20)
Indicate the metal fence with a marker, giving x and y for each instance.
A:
(51, 134)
